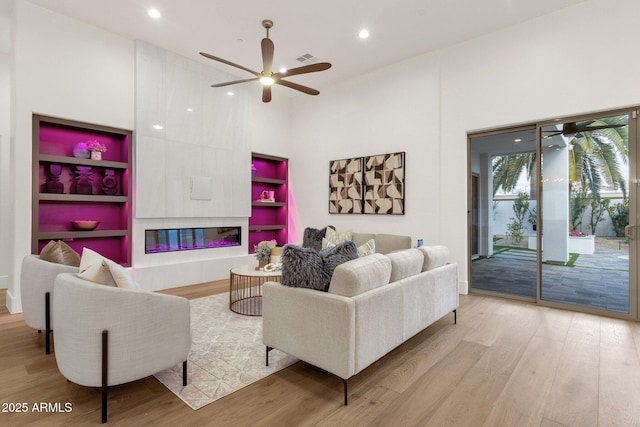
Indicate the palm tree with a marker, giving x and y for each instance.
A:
(594, 159)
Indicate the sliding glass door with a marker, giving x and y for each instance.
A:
(586, 194)
(568, 238)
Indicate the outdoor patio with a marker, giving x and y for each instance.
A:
(600, 280)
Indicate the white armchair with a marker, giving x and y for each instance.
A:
(108, 336)
(36, 285)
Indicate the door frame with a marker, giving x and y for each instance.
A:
(634, 209)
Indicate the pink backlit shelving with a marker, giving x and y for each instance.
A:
(54, 140)
(269, 220)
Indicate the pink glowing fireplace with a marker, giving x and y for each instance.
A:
(185, 239)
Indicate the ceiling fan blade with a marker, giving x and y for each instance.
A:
(591, 128)
(224, 61)
(266, 93)
(267, 56)
(296, 86)
(235, 82)
(311, 68)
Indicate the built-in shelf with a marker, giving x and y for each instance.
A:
(52, 197)
(83, 162)
(267, 227)
(269, 204)
(269, 181)
(68, 188)
(58, 235)
(269, 220)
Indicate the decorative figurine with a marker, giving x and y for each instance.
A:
(54, 185)
(83, 180)
(110, 185)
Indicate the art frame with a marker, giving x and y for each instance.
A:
(345, 186)
(384, 184)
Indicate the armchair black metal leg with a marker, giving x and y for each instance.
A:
(267, 354)
(105, 370)
(455, 316)
(184, 373)
(47, 322)
(346, 399)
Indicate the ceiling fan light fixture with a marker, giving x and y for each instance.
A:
(267, 81)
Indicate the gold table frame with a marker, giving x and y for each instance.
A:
(245, 289)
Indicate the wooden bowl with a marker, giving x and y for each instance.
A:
(84, 225)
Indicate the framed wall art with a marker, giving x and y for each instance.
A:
(345, 186)
(384, 184)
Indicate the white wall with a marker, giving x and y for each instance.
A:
(426, 106)
(58, 71)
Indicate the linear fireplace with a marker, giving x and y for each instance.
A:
(185, 239)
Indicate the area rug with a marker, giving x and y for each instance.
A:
(226, 354)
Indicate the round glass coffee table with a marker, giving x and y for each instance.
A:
(245, 289)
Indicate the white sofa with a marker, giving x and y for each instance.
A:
(374, 304)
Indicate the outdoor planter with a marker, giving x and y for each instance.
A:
(579, 245)
(582, 244)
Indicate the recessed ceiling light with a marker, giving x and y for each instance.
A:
(158, 127)
(517, 140)
(154, 13)
(189, 109)
(363, 34)
(230, 93)
(283, 70)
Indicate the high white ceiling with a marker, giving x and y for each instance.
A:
(327, 29)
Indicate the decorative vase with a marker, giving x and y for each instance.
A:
(81, 151)
(96, 155)
(54, 185)
(110, 183)
(83, 180)
(262, 263)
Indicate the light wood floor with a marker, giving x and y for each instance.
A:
(505, 363)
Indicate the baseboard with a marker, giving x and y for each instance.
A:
(463, 287)
(13, 305)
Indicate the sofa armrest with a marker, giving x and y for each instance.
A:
(314, 326)
(148, 332)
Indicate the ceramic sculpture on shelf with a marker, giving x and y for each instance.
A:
(81, 151)
(54, 185)
(110, 183)
(83, 180)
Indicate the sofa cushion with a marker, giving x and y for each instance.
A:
(59, 252)
(360, 275)
(362, 238)
(405, 263)
(434, 256)
(367, 248)
(337, 236)
(306, 268)
(312, 237)
(387, 243)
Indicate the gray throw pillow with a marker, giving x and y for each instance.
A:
(307, 268)
(312, 237)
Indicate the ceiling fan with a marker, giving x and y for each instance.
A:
(571, 128)
(267, 77)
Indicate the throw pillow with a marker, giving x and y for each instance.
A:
(96, 268)
(312, 237)
(336, 237)
(306, 268)
(60, 253)
(367, 248)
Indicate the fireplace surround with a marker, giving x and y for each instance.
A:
(185, 239)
